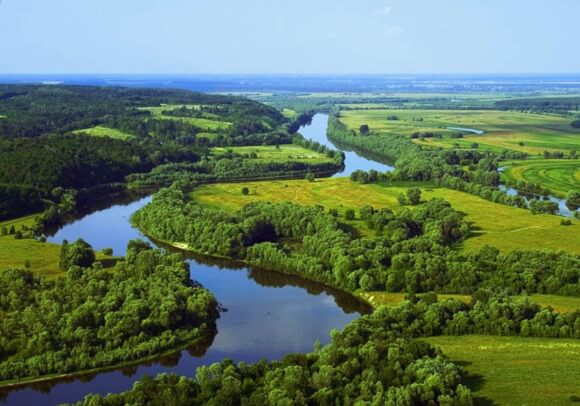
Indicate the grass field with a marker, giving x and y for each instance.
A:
(43, 257)
(208, 124)
(560, 176)
(269, 153)
(517, 371)
(561, 304)
(503, 130)
(495, 224)
(289, 113)
(100, 131)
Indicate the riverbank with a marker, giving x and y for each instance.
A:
(183, 247)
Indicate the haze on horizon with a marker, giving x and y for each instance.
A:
(298, 37)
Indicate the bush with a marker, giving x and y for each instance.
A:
(349, 214)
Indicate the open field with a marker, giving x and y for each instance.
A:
(560, 176)
(377, 299)
(517, 371)
(561, 304)
(206, 124)
(530, 133)
(269, 153)
(495, 224)
(43, 257)
(100, 131)
(289, 113)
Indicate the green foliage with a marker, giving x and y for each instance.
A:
(349, 214)
(91, 317)
(414, 196)
(245, 191)
(79, 254)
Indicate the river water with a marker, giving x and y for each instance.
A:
(316, 131)
(268, 314)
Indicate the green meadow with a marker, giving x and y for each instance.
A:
(271, 153)
(505, 227)
(561, 304)
(516, 371)
(207, 124)
(42, 257)
(558, 175)
(530, 133)
(101, 131)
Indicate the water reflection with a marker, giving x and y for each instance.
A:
(269, 314)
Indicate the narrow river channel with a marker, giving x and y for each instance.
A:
(268, 314)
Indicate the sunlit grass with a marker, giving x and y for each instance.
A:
(517, 371)
(530, 133)
(558, 175)
(505, 227)
(101, 131)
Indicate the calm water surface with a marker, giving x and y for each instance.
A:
(316, 131)
(269, 314)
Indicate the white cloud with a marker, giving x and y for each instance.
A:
(385, 11)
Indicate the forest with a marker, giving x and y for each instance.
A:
(43, 144)
(92, 317)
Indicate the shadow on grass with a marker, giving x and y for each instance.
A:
(475, 382)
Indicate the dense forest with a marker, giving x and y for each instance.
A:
(411, 252)
(93, 317)
(46, 140)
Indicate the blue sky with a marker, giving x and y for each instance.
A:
(297, 36)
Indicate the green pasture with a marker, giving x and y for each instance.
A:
(558, 175)
(561, 304)
(207, 124)
(516, 370)
(530, 133)
(43, 257)
(272, 153)
(505, 227)
(101, 131)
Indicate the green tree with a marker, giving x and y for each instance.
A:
(80, 253)
(245, 191)
(414, 196)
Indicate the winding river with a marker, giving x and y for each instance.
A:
(268, 314)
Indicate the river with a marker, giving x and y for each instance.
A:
(268, 314)
(316, 131)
